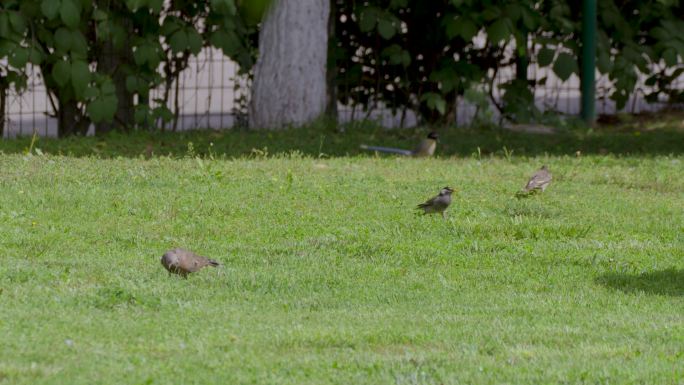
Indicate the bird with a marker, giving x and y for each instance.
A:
(183, 262)
(437, 204)
(539, 181)
(425, 147)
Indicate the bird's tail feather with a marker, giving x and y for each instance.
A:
(213, 263)
(387, 149)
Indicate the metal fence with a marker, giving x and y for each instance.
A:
(211, 93)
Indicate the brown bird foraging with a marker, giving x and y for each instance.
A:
(539, 181)
(184, 262)
(437, 204)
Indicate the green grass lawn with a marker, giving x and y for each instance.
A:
(329, 274)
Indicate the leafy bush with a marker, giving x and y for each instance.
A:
(98, 57)
(411, 54)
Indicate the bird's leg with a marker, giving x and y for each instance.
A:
(444, 214)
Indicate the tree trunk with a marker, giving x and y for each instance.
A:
(331, 74)
(290, 75)
(71, 120)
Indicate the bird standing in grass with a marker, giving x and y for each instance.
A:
(426, 147)
(184, 262)
(437, 204)
(539, 181)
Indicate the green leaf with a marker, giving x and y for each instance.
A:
(369, 18)
(100, 15)
(142, 114)
(18, 22)
(435, 101)
(35, 56)
(61, 72)
(153, 56)
(660, 33)
(467, 29)
(252, 11)
(498, 31)
(171, 24)
(143, 54)
(134, 5)
(179, 41)
(4, 25)
(6, 47)
(395, 4)
(140, 54)
(80, 78)
(227, 41)
(50, 8)
(131, 83)
(386, 28)
(95, 110)
(447, 77)
(155, 5)
(18, 79)
(565, 66)
(102, 109)
(63, 39)
(528, 19)
(91, 92)
(451, 26)
(603, 62)
(224, 6)
(397, 55)
(514, 11)
(545, 56)
(194, 41)
(70, 13)
(119, 35)
(79, 46)
(108, 87)
(162, 112)
(440, 105)
(670, 57)
(19, 57)
(491, 12)
(678, 46)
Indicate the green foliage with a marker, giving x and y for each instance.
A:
(406, 53)
(72, 40)
(565, 65)
(15, 53)
(103, 101)
(642, 37)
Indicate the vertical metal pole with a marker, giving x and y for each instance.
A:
(588, 73)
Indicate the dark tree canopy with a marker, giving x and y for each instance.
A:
(421, 55)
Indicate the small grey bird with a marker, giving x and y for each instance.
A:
(426, 147)
(437, 204)
(184, 262)
(539, 181)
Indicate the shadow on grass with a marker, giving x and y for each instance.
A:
(663, 282)
(323, 141)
